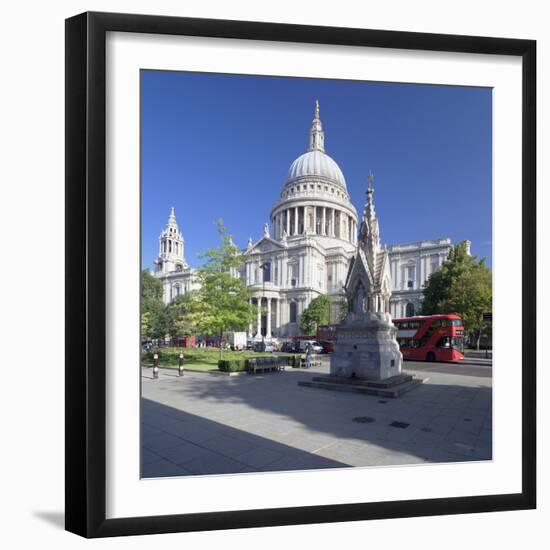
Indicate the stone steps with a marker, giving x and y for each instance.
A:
(384, 384)
(394, 389)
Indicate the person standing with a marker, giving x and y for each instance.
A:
(308, 356)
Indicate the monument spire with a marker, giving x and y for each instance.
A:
(316, 134)
(369, 232)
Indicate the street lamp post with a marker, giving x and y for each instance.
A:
(263, 267)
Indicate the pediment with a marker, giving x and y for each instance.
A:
(359, 271)
(265, 244)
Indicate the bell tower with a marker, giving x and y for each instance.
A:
(171, 247)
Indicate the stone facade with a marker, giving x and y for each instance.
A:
(411, 265)
(170, 266)
(306, 249)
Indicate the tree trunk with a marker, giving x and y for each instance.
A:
(221, 345)
(478, 340)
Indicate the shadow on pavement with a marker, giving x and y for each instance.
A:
(212, 425)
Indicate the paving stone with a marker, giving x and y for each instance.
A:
(246, 424)
(161, 441)
(162, 468)
(213, 463)
(229, 446)
(184, 452)
(260, 457)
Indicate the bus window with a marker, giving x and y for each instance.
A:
(458, 344)
(444, 342)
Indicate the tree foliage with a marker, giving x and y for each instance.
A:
(153, 315)
(317, 313)
(222, 302)
(463, 285)
(179, 315)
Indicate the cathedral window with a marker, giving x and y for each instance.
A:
(267, 271)
(409, 310)
(293, 313)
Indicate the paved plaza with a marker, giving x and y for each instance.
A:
(206, 423)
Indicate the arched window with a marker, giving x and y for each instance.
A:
(293, 312)
(409, 310)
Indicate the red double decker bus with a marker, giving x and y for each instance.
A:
(431, 337)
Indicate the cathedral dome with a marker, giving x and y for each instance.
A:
(316, 164)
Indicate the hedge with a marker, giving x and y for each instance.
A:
(294, 360)
(232, 365)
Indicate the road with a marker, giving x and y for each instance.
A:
(476, 369)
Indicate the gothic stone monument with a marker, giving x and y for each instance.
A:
(367, 358)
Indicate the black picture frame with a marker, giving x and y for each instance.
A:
(86, 279)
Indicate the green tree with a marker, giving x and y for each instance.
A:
(179, 315)
(463, 285)
(153, 315)
(317, 313)
(222, 302)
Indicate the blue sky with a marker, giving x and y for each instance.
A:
(219, 146)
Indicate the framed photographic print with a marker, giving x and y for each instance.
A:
(294, 256)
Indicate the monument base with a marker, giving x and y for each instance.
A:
(390, 387)
(366, 348)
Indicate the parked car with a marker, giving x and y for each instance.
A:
(288, 347)
(315, 346)
(265, 346)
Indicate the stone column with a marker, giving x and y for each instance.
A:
(250, 324)
(300, 270)
(277, 314)
(315, 220)
(259, 319)
(333, 217)
(295, 221)
(268, 323)
(287, 213)
(324, 228)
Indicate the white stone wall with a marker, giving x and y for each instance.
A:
(411, 264)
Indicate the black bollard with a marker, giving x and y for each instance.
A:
(155, 365)
(180, 364)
